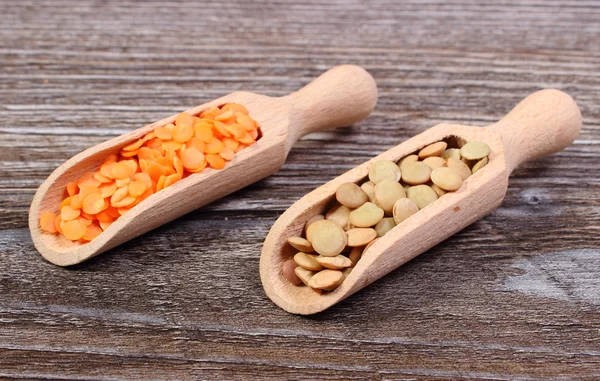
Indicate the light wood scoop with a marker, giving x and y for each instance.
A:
(543, 123)
(340, 97)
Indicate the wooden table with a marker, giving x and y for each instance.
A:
(515, 296)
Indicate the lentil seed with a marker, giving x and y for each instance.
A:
(301, 244)
(334, 263)
(367, 215)
(386, 194)
(480, 164)
(416, 173)
(339, 214)
(404, 208)
(307, 261)
(355, 255)
(384, 169)
(360, 236)
(384, 226)
(325, 279)
(328, 238)
(303, 274)
(439, 191)
(369, 188)
(351, 195)
(315, 218)
(446, 178)
(406, 160)
(451, 152)
(460, 167)
(422, 195)
(474, 150)
(288, 269)
(434, 162)
(435, 149)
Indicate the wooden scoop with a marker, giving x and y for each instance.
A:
(543, 123)
(342, 96)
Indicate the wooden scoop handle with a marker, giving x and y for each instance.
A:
(339, 97)
(544, 123)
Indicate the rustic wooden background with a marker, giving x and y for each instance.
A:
(515, 296)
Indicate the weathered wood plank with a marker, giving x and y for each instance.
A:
(514, 296)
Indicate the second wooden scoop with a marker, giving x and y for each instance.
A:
(543, 123)
(342, 96)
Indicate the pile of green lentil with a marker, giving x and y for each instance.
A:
(335, 242)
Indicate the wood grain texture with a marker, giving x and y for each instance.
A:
(513, 296)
